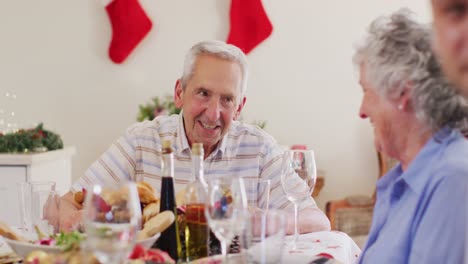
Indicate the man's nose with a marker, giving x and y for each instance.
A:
(213, 110)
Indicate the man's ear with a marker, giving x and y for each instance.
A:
(178, 94)
(239, 108)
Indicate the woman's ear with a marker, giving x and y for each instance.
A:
(178, 94)
(404, 100)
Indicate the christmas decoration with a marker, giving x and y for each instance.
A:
(130, 25)
(249, 24)
(8, 120)
(157, 107)
(31, 140)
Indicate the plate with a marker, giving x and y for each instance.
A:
(217, 259)
(22, 248)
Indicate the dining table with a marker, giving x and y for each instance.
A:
(334, 244)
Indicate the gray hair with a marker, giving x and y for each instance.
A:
(217, 49)
(397, 54)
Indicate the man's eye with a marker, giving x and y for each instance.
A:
(203, 93)
(456, 10)
(228, 99)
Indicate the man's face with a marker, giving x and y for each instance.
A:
(451, 39)
(211, 100)
(381, 114)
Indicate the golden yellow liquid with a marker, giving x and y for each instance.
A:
(196, 232)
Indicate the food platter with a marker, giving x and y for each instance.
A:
(23, 248)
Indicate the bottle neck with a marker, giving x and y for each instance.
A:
(167, 165)
(197, 168)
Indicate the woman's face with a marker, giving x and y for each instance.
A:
(382, 114)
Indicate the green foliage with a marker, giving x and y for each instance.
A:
(156, 107)
(260, 123)
(68, 241)
(36, 139)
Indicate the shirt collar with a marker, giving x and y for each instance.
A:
(223, 144)
(182, 143)
(389, 178)
(419, 169)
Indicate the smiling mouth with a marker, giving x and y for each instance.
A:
(206, 126)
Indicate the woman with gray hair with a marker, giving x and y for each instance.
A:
(419, 215)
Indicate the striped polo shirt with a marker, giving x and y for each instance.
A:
(245, 151)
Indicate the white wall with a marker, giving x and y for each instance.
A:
(53, 55)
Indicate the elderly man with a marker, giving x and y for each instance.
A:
(211, 94)
(420, 213)
(451, 40)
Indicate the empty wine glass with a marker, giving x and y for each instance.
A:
(298, 176)
(226, 209)
(112, 217)
(258, 194)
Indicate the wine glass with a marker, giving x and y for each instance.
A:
(112, 217)
(226, 209)
(298, 176)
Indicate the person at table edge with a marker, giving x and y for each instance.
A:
(211, 94)
(420, 215)
(450, 41)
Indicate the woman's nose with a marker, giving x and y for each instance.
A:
(362, 113)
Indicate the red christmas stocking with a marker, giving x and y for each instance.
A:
(249, 24)
(130, 25)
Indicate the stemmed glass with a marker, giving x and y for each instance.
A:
(112, 217)
(298, 176)
(226, 209)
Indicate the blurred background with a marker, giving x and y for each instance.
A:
(54, 60)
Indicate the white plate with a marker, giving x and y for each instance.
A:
(234, 258)
(23, 248)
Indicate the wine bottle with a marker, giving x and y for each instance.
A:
(169, 240)
(196, 228)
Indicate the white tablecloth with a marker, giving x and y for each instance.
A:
(337, 244)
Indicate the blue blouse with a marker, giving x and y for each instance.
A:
(420, 215)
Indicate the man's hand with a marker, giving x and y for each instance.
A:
(69, 213)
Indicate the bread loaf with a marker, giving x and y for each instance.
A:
(150, 210)
(156, 224)
(6, 231)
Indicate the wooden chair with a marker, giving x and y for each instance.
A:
(353, 214)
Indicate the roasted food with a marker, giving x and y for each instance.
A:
(146, 193)
(180, 197)
(156, 224)
(79, 196)
(6, 231)
(149, 211)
